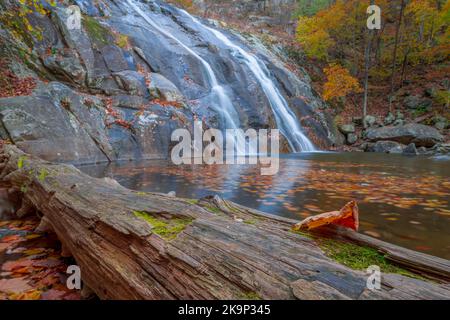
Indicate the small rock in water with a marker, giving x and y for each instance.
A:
(172, 194)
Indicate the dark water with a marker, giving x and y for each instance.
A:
(402, 200)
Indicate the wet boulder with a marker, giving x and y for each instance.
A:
(421, 135)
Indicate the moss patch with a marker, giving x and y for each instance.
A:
(43, 173)
(252, 221)
(166, 228)
(21, 162)
(213, 209)
(303, 234)
(359, 257)
(99, 34)
(250, 296)
(192, 201)
(122, 41)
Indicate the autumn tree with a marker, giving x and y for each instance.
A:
(413, 34)
(340, 83)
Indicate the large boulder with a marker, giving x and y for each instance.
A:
(420, 135)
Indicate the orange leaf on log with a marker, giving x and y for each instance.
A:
(348, 217)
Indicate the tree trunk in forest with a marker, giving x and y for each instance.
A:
(135, 245)
(394, 56)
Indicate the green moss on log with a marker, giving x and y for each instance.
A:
(168, 229)
(359, 257)
(250, 296)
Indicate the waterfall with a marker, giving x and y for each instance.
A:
(225, 106)
(286, 120)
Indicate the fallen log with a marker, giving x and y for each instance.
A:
(135, 245)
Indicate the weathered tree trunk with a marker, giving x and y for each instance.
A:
(134, 245)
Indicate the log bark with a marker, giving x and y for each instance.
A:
(222, 251)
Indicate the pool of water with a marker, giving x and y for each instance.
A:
(402, 200)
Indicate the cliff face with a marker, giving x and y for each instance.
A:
(116, 86)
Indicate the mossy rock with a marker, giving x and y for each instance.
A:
(99, 34)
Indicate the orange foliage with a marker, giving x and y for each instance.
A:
(339, 83)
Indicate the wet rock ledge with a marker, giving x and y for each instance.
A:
(135, 245)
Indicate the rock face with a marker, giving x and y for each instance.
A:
(116, 87)
(420, 135)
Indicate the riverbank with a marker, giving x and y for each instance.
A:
(133, 245)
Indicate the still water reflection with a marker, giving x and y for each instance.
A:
(402, 200)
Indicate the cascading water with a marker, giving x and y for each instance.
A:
(286, 120)
(225, 106)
